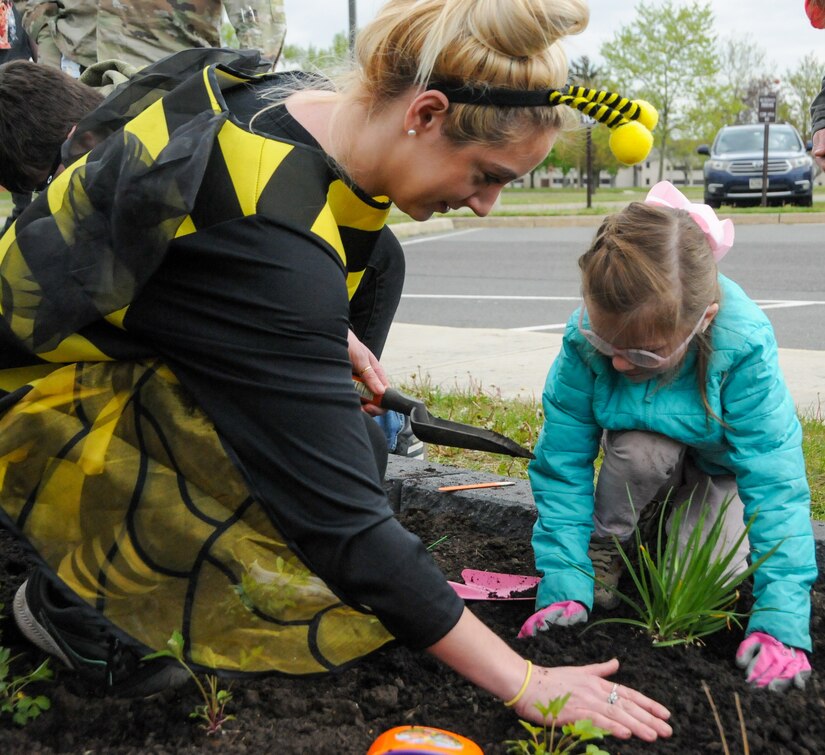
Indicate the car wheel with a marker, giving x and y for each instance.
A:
(806, 201)
(715, 203)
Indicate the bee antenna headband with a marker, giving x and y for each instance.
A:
(630, 121)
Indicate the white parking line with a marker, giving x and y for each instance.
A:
(552, 326)
(762, 303)
(437, 238)
(784, 304)
(493, 297)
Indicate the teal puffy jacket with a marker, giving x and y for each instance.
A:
(761, 446)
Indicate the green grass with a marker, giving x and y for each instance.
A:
(521, 420)
(546, 202)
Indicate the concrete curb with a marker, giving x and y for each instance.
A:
(447, 225)
(507, 511)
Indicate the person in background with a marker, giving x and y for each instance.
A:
(14, 42)
(673, 370)
(76, 34)
(41, 105)
(816, 13)
(104, 43)
(184, 448)
(14, 45)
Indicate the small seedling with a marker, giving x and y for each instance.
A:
(432, 546)
(13, 700)
(213, 711)
(685, 592)
(543, 741)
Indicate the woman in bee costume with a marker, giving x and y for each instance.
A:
(181, 444)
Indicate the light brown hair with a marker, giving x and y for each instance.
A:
(652, 267)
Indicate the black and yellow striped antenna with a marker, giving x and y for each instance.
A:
(631, 121)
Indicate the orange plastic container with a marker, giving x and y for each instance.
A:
(420, 740)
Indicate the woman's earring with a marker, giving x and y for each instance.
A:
(411, 132)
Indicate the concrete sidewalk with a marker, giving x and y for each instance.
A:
(515, 363)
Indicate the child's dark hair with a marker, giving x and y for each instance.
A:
(40, 105)
(654, 262)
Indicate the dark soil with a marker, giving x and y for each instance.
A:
(344, 713)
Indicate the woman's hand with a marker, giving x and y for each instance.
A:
(632, 713)
(367, 367)
(479, 655)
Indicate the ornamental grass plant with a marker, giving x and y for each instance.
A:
(685, 594)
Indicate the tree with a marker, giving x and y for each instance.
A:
(799, 87)
(327, 60)
(701, 121)
(583, 73)
(743, 76)
(666, 56)
(565, 155)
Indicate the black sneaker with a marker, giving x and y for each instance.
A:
(407, 444)
(82, 640)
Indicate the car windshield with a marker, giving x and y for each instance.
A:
(752, 140)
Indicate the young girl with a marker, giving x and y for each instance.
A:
(673, 370)
(199, 461)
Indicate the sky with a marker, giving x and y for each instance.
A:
(780, 27)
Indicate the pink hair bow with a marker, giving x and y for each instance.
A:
(719, 233)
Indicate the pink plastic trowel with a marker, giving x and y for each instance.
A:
(489, 585)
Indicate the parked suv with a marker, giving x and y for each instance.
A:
(733, 174)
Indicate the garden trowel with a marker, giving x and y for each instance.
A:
(441, 431)
(488, 585)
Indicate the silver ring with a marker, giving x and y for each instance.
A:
(613, 697)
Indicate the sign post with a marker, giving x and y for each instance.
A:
(766, 115)
(589, 123)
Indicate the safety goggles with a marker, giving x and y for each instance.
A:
(637, 357)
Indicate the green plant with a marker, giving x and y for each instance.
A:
(432, 546)
(686, 592)
(213, 711)
(813, 447)
(543, 742)
(13, 700)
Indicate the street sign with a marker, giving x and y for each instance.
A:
(767, 108)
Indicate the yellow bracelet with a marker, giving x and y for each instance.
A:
(511, 703)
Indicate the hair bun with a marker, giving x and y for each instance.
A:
(523, 28)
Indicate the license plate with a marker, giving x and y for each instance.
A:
(755, 183)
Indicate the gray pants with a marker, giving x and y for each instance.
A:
(649, 466)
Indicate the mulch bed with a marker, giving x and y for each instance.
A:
(344, 713)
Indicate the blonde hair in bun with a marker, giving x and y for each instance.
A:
(494, 43)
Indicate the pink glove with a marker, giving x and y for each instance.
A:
(769, 663)
(563, 614)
